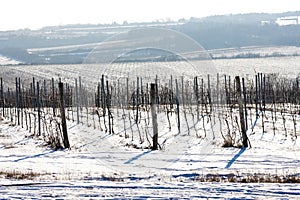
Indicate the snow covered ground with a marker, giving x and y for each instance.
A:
(146, 189)
(102, 165)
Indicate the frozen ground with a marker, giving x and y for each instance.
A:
(145, 189)
(99, 165)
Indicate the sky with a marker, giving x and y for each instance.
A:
(34, 14)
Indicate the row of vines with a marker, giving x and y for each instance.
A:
(265, 101)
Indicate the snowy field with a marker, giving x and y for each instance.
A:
(283, 66)
(100, 165)
(146, 189)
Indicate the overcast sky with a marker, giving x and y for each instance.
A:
(33, 14)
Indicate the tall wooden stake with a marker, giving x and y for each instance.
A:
(38, 107)
(241, 111)
(245, 103)
(77, 101)
(63, 115)
(17, 102)
(197, 96)
(108, 99)
(154, 116)
(53, 97)
(2, 98)
(209, 93)
(177, 105)
(137, 101)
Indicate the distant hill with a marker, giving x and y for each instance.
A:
(7, 61)
(71, 43)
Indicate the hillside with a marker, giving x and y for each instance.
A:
(71, 43)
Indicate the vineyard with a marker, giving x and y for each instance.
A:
(82, 134)
(150, 113)
(221, 108)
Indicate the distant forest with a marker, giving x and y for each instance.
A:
(214, 32)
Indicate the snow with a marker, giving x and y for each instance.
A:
(147, 190)
(107, 166)
(101, 165)
(8, 61)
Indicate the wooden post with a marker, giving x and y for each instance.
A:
(2, 98)
(218, 89)
(182, 92)
(10, 104)
(256, 96)
(33, 93)
(33, 85)
(264, 92)
(127, 92)
(44, 102)
(63, 115)
(67, 95)
(53, 97)
(154, 117)
(108, 107)
(142, 92)
(157, 100)
(137, 101)
(259, 90)
(38, 99)
(241, 111)
(196, 96)
(245, 103)
(80, 98)
(103, 102)
(230, 93)
(297, 91)
(177, 105)
(171, 96)
(147, 102)
(118, 95)
(209, 93)
(226, 90)
(17, 102)
(77, 101)
(21, 102)
(98, 96)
